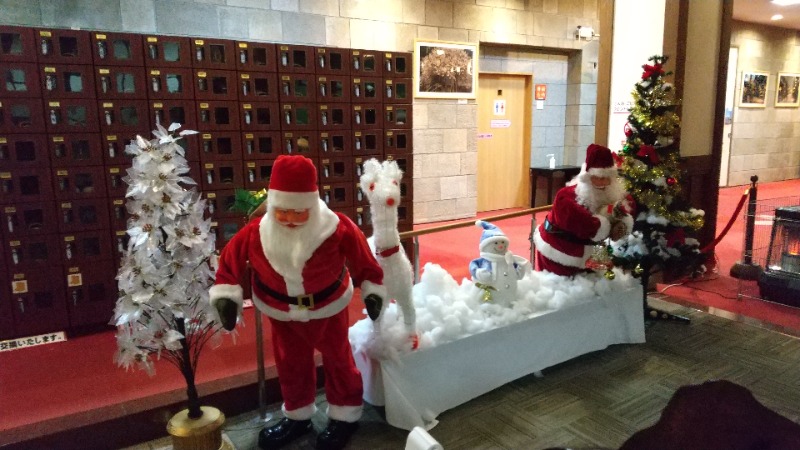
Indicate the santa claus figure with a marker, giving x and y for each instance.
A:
(587, 211)
(497, 270)
(303, 257)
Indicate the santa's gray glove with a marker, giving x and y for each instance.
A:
(374, 305)
(228, 309)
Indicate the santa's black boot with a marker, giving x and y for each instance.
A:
(282, 433)
(336, 435)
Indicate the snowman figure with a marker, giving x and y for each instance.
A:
(497, 271)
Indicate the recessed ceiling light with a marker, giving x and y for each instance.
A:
(786, 2)
(776, 17)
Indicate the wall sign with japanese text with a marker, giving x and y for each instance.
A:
(32, 341)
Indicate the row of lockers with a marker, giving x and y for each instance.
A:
(63, 151)
(23, 115)
(68, 184)
(60, 46)
(29, 80)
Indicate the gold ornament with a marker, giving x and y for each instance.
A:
(638, 270)
(610, 274)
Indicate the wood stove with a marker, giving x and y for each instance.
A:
(780, 281)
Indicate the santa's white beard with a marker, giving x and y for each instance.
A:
(595, 199)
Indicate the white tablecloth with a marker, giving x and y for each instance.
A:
(425, 383)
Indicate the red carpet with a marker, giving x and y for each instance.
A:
(66, 385)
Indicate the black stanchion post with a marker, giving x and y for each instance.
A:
(746, 270)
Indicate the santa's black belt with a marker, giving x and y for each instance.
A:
(565, 235)
(307, 300)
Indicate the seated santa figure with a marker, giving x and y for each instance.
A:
(591, 208)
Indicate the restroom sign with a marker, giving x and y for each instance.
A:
(499, 107)
(540, 91)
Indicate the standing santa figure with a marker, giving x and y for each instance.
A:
(497, 271)
(303, 256)
(587, 211)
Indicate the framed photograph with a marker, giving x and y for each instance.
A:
(786, 94)
(754, 90)
(445, 69)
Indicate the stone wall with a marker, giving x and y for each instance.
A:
(445, 160)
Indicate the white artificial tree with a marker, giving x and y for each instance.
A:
(163, 309)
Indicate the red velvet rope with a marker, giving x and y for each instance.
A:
(730, 223)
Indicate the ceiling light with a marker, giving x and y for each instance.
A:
(786, 2)
(776, 17)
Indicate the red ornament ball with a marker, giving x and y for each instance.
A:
(671, 181)
(628, 130)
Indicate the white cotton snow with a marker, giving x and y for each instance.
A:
(447, 310)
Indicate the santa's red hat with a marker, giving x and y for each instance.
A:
(599, 161)
(293, 184)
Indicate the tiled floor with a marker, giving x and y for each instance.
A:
(596, 400)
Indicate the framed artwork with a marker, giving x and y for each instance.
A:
(445, 69)
(786, 94)
(754, 90)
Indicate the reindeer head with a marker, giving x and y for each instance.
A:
(380, 182)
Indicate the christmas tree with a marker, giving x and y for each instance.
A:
(163, 308)
(664, 222)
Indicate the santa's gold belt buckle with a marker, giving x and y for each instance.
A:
(303, 299)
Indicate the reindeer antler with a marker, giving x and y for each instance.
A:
(371, 170)
(392, 170)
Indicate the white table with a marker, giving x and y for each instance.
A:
(425, 383)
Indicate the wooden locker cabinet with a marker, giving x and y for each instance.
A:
(213, 54)
(121, 82)
(74, 149)
(117, 49)
(332, 61)
(300, 143)
(113, 148)
(368, 142)
(34, 252)
(368, 89)
(61, 46)
(215, 84)
(29, 219)
(118, 214)
(17, 44)
(115, 185)
(295, 59)
(366, 63)
(124, 116)
(119, 243)
(397, 64)
(366, 116)
(334, 143)
(217, 115)
(257, 87)
(298, 116)
(257, 173)
(6, 310)
(397, 90)
(21, 115)
(397, 116)
(255, 56)
(220, 203)
(167, 51)
(91, 293)
(261, 145)
(220, 175)
(337, 195)
(363, 219)
(170, 83)
(38, 301)
(259, 116)
(23, 150)
(82, 215)
(297, 87)
(358, 164)
(224, 229)
(21, 80)
(333, 116)
(85, 247)
(61, 81)
(72, 115)
(171, 111)
(398, 141)
(220, 146)
(359, 198)
(404, 161)
(335, 170)
(333, 88)
(29, 184)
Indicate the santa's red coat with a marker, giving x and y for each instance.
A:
(565, 256)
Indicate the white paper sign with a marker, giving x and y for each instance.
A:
(623, 107)
(505, 123)
(539, 104)
(499, 107)
(15, 344)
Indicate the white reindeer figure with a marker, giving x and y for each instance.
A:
(380, 182)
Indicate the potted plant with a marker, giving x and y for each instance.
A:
(163, 309)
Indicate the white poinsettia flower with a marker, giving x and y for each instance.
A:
(171, 340)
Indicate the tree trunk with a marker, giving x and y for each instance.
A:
(188, 374)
